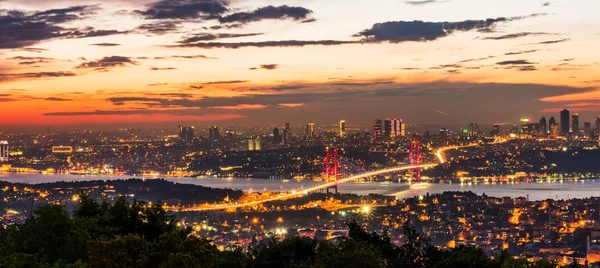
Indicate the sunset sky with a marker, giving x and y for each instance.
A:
(258, 62)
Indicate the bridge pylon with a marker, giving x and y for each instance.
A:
(331, 169)
(415, 160)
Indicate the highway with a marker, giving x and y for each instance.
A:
(294, 194)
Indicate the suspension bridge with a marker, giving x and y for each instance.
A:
(332, 177)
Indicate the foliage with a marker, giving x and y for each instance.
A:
(137, 235)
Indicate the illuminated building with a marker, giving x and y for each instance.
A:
(543, 127)
(342, 128)
(186, 134)
(525, 126)
(397, 127)
(598, 126)
(473, 129)
(254, 144)
(276, 137)
(4, 151)
(387, 128)
(575, 123)
(377, 129)
(496, 130)
(62, 149)
(565, 122)
(587, 129)
(553, 127)
(213, 133)
(310, 130)
(287, 131)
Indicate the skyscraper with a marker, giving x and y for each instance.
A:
(287, 132)
(496, 130)
(387, 128)
(3, 151)
(377, 129)
(554, 131)
(213, 133)
(587, 126)
(276, 137)
(186, 134)
(543, 126)
(342, 128)
(575, 123)
(525, 127)
(396, 127)
(565, 123)
(310, 130)
(254, 143)
(598, 126)
(471, 129)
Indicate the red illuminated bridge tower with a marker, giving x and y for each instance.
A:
(415, 160)
(331, 169)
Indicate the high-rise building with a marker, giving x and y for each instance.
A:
(396, 127)
(587, 129)
(377, 129)
(287, 132)
(254, 144)
(565, 123)
(3, 151)
(342, 128)
(387, 128)
(213, 133)
(310, 130)
(554, 131)
(575, 123)
(598, 126)
(186, 134)
(276, 137)
(543, 126)
(402, 128)
(496, 130)
(525, 127)
(471, 129)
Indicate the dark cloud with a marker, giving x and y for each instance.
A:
(94, 33)
(162, 69)
(57, 99)
(308, 21)
(546, 4)
(567, 66)
(286, 43)
(225, 26)
(226, 82)
(19, 76)
(520, 52)
(187, 57)
(196, 87)
(172, 112)
(160, 27)
(184, 9)
(268, 12)
(105, 44)
(213, 36)
(515, 62)
(269, 66)
(477, 59)
(33, 49)
(424, 2)
(108, 62)
(63, 15)
(402, 31)
(19, 29)
(516, 35)
(551, 42)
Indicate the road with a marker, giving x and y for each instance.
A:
(295, 194)
(439, 154)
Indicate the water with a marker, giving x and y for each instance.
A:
(535, 190)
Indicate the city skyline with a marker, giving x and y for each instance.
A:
(151, 63)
